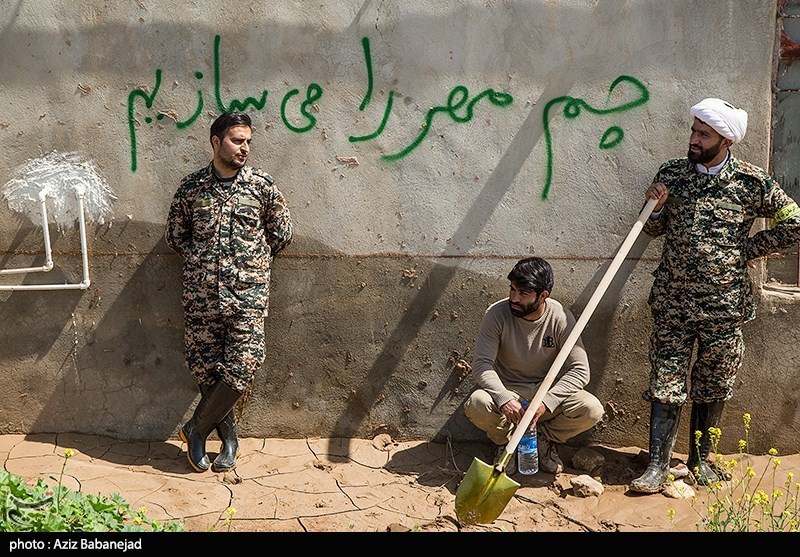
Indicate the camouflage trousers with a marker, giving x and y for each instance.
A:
(720, 349)
(227, 348)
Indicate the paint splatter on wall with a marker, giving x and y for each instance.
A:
(62, 177)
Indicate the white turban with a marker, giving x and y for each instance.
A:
(728, 121)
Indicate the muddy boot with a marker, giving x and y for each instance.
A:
(664, 420)
(214, 405)
(704, 416)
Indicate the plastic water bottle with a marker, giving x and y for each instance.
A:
(528, 451)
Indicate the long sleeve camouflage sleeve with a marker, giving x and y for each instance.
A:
(280, 228)
(784, 215)
(178, 234)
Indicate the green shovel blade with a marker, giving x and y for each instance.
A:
(483, 494)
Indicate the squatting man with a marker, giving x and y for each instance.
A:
(518, 340)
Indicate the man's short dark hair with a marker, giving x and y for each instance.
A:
(228, 120)
(532, 274)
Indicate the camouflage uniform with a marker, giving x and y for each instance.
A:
(702, 290)
(227, 234)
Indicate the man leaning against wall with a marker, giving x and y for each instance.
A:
(227, 221)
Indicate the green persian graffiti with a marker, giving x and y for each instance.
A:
(313, 94)
(148, 100)
(455, 100)
(459, 106)
(368, 97)
(611, 138)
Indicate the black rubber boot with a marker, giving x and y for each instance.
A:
(226, 430)
(214, 405)
(664, 420)
(704, 416)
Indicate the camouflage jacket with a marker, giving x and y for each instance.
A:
(227, 235)
(706, 224)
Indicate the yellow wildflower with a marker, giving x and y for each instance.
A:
(773, 452)
(69, 453)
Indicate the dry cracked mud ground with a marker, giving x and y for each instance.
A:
(354, 485)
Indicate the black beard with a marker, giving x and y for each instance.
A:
(705, 156)
(526, 310)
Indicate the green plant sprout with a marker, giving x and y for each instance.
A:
(38, 508)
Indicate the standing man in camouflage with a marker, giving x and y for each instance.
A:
(227, 221)
(702, 293)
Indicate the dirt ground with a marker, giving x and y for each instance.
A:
(364, 485)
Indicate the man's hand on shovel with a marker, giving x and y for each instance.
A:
(658, 191)
(513, 411)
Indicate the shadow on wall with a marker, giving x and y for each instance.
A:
(34, 323)
(33, 320)
(596, 339)
(126, 377)
(11, 17)
(420, 308)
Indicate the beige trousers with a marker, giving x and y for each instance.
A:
(575, 415)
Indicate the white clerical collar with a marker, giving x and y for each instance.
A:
(713, 170)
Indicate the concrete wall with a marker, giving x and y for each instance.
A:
(515, 127)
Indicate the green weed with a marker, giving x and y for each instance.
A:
(744, 500)
(40, 508)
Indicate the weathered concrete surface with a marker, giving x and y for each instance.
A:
(376, 303)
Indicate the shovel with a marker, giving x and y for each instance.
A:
(486, 490)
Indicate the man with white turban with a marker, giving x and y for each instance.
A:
(702, 293)
(727, 120)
